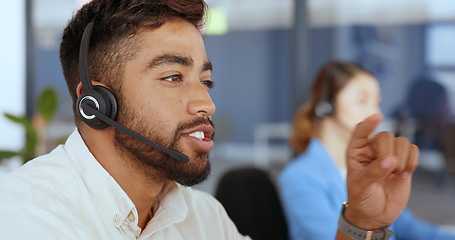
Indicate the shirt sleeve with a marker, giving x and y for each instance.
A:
(420, 230)
(307, 207)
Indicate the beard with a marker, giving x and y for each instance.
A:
(155, 163)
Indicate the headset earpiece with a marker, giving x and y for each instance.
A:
(112, 100)
(323, 108)
(101, 99)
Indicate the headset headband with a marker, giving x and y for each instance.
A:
(83, 57)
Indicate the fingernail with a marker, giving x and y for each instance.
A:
(386, 163)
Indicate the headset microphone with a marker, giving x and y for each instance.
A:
(97, 105)
(174, 154)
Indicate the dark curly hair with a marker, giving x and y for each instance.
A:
(114, 39)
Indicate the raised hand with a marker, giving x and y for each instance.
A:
(379, 175)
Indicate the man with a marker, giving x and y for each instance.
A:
(128, 179)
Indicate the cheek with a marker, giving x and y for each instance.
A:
(351, 114)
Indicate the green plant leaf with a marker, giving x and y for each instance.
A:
(31, 142)
(47, 104)
(22, 120)
(7, 154)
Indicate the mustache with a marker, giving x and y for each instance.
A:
(195, 123)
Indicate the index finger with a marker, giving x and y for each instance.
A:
(364, 130)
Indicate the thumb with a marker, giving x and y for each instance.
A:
(376, 171)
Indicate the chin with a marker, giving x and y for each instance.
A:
(197, 171)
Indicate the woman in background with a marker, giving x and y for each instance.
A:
(313, 185)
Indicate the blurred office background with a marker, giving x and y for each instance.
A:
(265, 53)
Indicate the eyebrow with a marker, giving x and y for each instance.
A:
(175, 59)
(169, 59)
(207, 66)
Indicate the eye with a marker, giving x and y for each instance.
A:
(208, 83)
(173, 78)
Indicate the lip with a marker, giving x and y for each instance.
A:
(204, 145)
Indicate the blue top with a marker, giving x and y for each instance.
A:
(313, 191)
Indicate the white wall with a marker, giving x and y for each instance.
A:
(12, 72)
(350, 12)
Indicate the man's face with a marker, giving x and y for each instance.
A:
(164, 97)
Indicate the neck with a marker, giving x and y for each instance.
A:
(335, 139)
(140, 186)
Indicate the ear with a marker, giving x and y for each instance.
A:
(79, 88)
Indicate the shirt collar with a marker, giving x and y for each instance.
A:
(317, 148)
(172, 209)
(110, 197)
(105, 191)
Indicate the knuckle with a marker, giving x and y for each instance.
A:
(384, 141)
(384, 136)
(414, 161)
(402, 141)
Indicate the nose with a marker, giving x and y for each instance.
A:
(200, 102)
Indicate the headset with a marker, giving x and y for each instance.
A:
(324, 107)
(97, 105)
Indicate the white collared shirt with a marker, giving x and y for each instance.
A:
(67, 194)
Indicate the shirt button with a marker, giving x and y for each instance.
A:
(116, 220)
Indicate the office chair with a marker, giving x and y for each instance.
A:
(252, 202)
